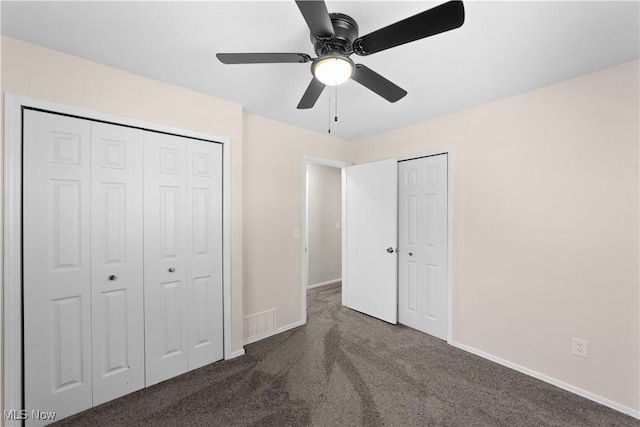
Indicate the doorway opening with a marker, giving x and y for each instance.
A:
(322, 224)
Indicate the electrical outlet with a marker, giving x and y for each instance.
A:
(580, 347)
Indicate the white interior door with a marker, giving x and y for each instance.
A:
(165, 264)
(204, 252)
(371, 239)
(122, 260)
(57, 267)
(116, 261)
(423, 252)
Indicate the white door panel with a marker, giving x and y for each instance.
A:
(423, 252)
(165, 247)
(408, 288)
(116, 261)
(56, 241)
(371, 239)
(122, 242)
(204, 262)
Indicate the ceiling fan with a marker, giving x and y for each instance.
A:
(335, 38)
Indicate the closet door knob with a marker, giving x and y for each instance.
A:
(171, 269)
(410, 253)
(113, 277)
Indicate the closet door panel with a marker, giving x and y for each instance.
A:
(116, 261)
(165, 253)
(204, 263)
(57, 270)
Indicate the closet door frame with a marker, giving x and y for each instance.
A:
(12, 226)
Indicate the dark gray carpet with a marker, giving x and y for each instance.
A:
(347, 369)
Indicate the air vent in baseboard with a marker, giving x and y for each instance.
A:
(258, 324)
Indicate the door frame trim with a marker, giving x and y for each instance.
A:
(12, 225)
(306, 160)
(449, 151)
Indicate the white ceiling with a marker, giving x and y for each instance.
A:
(504, 48)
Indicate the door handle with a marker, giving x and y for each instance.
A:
(390, 250)
(410, 253)
(113, 277)
(171, 269)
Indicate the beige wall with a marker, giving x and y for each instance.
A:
(545, 226)
(36, 72)
(273, 193)
(324, 184)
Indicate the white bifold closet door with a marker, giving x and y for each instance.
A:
(116, 261)
(122, 254)
(183, 255)
(82, 251)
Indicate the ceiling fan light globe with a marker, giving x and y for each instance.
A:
(333, 70)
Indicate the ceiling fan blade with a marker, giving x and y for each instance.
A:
(262, 58)
(311, 95)
(375, 82)
(445, 17)
(317, 16)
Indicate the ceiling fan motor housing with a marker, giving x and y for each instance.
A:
(346, 31)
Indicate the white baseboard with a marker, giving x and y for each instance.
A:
(330, 282)
(573, 389)
(268, 334)
(237, 353)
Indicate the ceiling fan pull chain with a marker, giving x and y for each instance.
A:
(336, 109)
(329, 125)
